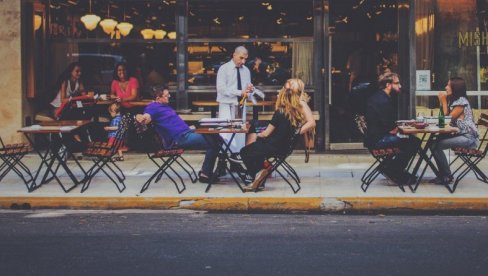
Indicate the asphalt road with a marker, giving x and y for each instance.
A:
(195, 243)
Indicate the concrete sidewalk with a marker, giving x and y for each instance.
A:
(330, 183)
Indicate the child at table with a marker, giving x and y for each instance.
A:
(114, 110)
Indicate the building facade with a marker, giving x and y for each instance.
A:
(335, 46)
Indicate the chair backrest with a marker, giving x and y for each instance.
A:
(483, 121)
(148, 135)
(292, 142)
(121, 133)
(360, 121)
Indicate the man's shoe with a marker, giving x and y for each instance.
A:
(203, 178)
(442, 180)
(236, 158)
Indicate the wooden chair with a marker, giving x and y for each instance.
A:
(164, 158)
(102, 155)
(471, 157)
(11, 157)
(278, 161)
(381, 156)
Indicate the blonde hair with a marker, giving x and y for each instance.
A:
(288, 101)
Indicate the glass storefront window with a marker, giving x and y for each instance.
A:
(151, 59)
(452, 40)
(270, 62)
(151, 64)
(278, 35)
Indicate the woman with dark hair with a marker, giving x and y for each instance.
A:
(454, 103)
(68, 85)
(124, 88)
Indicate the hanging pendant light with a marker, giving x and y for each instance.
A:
(108, 24)
(124, 27)
(147, 33)
(90, 20)
(159, 34)
(172, 35)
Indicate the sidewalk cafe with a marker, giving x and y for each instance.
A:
(120, 50)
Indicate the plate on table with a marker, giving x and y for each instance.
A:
(405, 122)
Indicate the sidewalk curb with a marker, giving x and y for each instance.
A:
(251, 204)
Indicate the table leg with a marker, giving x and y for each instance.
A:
(423, 156)
(224, 155)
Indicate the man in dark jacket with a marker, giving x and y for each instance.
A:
(382, 130)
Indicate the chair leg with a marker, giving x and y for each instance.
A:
(191, 171)
(278, 162)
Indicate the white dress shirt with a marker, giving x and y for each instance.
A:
(227, 91)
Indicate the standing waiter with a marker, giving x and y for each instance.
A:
(233, 81)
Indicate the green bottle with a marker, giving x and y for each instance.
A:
(442, 118)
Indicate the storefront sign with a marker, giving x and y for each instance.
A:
(470, 39)
(423, 80)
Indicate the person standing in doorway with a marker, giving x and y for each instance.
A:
(233, 81)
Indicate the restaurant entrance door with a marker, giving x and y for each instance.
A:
(363, 42)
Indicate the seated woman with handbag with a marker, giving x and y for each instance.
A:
(454, 103)
(275, 139)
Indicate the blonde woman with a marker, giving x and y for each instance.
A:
(298, 86)
(288, 115)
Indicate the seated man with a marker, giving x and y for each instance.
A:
(382, 129)
(175, 132)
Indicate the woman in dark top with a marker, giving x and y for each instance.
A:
(276, 137)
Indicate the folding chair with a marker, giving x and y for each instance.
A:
(471, 157)
(381, 156)
(164, 158)
(102, 153)
(279, 161)
(11, 156)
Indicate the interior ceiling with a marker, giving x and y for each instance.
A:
(363, 14)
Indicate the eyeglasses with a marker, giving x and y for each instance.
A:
(396, 82)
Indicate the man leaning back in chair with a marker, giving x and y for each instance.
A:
(174, 132)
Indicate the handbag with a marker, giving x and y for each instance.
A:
(309, 143)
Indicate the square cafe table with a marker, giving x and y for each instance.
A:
(433, 133)
(57, 152)
(224, 151)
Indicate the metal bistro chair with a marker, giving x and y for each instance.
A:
(102, 154)
(279, 161)
(471, 157)
(11, 156)
(381, 156)
(164, 159)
